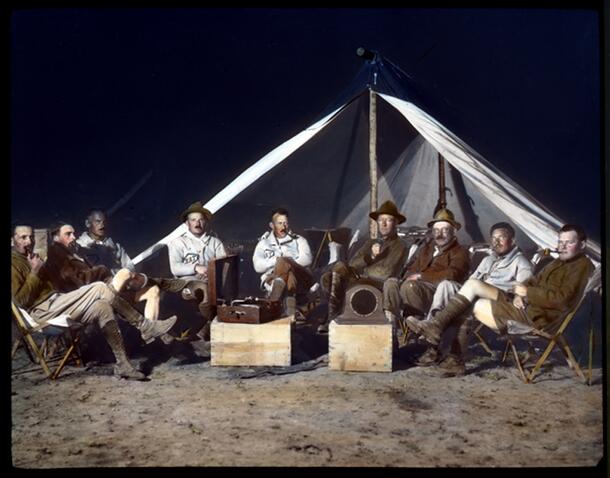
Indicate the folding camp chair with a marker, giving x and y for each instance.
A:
(61, 327)
(552, 334)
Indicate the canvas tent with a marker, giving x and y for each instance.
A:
(323, 172)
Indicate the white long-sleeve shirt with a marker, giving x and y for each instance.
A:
(105, 252)
(269, 248)
(187, 251)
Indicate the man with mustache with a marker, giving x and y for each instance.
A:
(283, 258)
(442, 258)
(190, 253)
(32, 289)
(100, 250)
(68, 270)
(538, 301)
(376, 261)
(504, 267)
(99, 247)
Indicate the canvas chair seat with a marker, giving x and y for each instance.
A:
(550, 335)
(64, 330)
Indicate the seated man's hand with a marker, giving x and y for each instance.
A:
(518, 302)
(35, 262)
(201, 271)
(413, 277)
(520, 290)
(375, 250)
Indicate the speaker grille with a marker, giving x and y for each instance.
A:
(364, 303)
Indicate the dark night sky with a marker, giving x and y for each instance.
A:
(99, 98)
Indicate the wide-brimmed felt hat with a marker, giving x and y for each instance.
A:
(447, 216)
(196, 207)
(388, 207)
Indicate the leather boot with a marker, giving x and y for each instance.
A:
(290, 305)
(452, 366)
(277, 289)
(432, 329)
(151, 329)
(429, 357)
(123, 367)
(126, 310)
(335, 301)
(459, 346)
(204, 332)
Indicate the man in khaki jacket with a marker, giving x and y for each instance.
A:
(375, 261)
(443, 258)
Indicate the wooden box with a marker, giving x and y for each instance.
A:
(360, 345)
(250, 311)
(268, 344)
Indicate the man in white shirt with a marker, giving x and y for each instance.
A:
(190, 253)
(99, 248)
(283, 258)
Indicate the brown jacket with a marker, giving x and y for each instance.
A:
(557, 288)
(28, 289)
(453, 263)
(68, 271)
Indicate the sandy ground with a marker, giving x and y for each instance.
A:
(192, 414)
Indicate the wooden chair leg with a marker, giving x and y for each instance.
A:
(543, 357)
(504, 355)
(518, 361)
(31, 343)
(15, 347)
(572, 363)
(483, 342)
(64, 361)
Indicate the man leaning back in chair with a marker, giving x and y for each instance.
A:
(539, 301)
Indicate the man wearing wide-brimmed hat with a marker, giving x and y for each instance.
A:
(441, 258)
(376, 261)
(190, 253)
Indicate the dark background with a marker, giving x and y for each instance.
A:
(189, 98)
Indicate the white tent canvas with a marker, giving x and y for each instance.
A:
(321, 174)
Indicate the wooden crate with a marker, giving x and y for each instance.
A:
(268, 344)
(360, 346)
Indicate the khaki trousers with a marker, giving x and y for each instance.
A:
(86, 304)
(415, 297)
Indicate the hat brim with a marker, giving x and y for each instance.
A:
(207, 214)
(399, 217)
(455, 224)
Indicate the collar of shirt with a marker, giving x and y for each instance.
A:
(106, 241)
(203, 239)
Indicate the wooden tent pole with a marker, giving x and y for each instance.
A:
(373, 160)
(442, 200)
